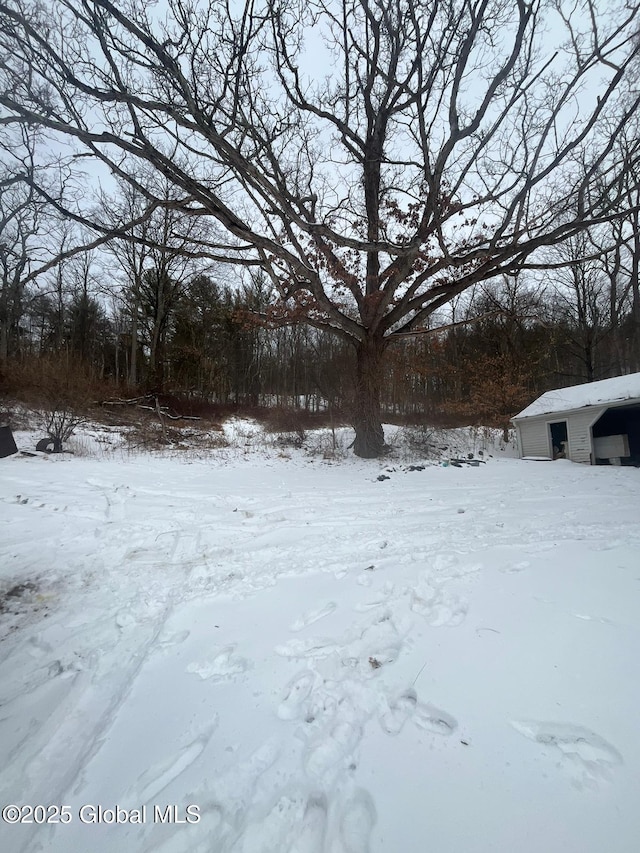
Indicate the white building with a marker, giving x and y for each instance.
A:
(598, 422)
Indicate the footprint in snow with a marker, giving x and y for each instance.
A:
(224, 665)
(166, 642)
(449, 568)
(448, 614)
(125, 619)
(333, 749)
(314, 826)
(438, 608)
(312, 616)
(271, 832)
(314, 647)
(296, 694)
(433, 719)
(37, 646)
(512, 568)
(588, 618)
(357, 822)
(588, 757)
(393, 720)
(382, 598)
(156, 778)
(115, 509)
(379, 643)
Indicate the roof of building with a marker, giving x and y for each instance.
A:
(616, 390)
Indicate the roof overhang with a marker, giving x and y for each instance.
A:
(559, 414)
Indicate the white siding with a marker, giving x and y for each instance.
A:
(579, 429)
(534, 437)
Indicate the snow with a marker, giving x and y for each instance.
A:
(321, 661)
(606, 391)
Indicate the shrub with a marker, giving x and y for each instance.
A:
(59, 389)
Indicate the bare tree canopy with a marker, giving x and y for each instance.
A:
(375, 157)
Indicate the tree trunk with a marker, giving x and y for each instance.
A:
(155, 378)
(369, 441)
(634, 355)
(132, 373)
(4, 341)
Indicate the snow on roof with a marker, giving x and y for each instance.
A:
(615, 390)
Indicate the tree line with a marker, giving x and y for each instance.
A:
(162, 324)
(459, 162)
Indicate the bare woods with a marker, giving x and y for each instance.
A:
(428, 208)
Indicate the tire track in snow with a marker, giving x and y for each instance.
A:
(94, 712)
(53, 757)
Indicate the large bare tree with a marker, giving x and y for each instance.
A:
(375, 157)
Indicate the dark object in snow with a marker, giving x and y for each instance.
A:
(49, 445)
(415, 468)
(383, 477)
(475, 463)
(18, 591)
(7, 442)
(455, 463)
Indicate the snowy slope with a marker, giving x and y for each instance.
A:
(320, 661)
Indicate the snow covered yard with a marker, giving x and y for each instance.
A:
(321, 662)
